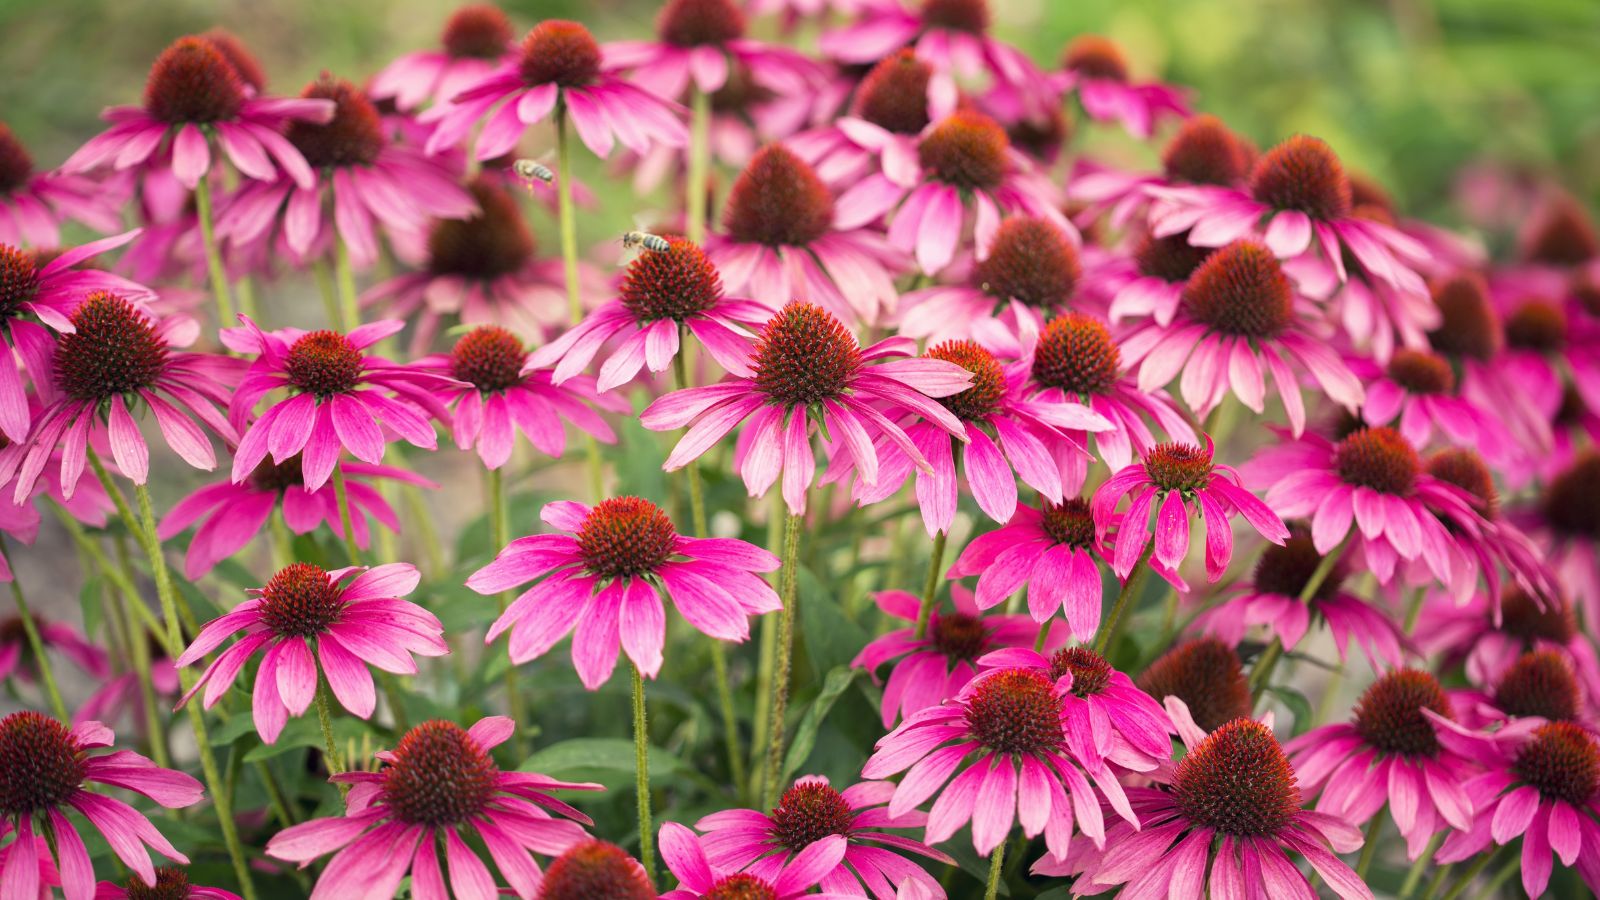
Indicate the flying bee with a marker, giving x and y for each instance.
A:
(645, 239)
(529, 170)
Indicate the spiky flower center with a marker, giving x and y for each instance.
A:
(1237, 781)
(971, 16)
(16, 164)
(805, 356)
(1537, 325)
(1094, 56)
(966, 149)
(41, 764)
(626, 537)
(960, 637)
(1015, 711)
(239, 56)
(1540, 683)
(1176, 466)
(1077, 355)
(477, 31)
(301, 600)
(192, 81)
(19, 279)
(698, 23)
(323, 363)
(1571, 500)
(809, 812)
(1389, 715)
(594, 869)
(114, 349)
(1563, 234)
(675, 283)
(1241, 289)
(1583, 286)
(1468, 326)
(1070, 523)
(1041, 138)
(438, 776)
(1529, 621)
(1089, 670)
(1562, 761)
(778, 200)
(982, 400)
(491, 243)
(1031, 260)
(1465, 469)
(171, 884)
(489, 358)
(1286, 570)
(740, 887)
(1302, 173)
(1205, 151)
(353, 137)
(278, 477)
(1172, 259)
(1421, 372)
(560, 52)
(1207, 676)
(1378, 458)
(894, 95)
(1369, 195)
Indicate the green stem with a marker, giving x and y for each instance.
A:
(346, 523)
(1113, 622)
(247, 299)
(567, 214)
(1472, 872)
(1414, 874)
(330, 296)
(1369, 849)
(1261, 673)
(47, 675)
(699, 164)
(330, 744)
(1500, 877)
(282, 545)
(996, 865)
(777, 516)
(349, 310)
(641, 777)
(931, 584)
(499, 536)
(218, 274)
(1437, 881)
(785, 654)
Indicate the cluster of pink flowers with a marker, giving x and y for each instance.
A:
(909, 309)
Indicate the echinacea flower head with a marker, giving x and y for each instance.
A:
(605, 576)
(1031, 261)
(45, 769)
(703, 43)
(1005, 734)
(195, 96)
(475, 38)
(1207, 675)
(1418, 393)
(338, 396)
(890, 107)
(1389, 754)
(34, 205)
(172, 883)
(935, 667)
(809, 371)
(495, 393)
(812, 810)
(687, 859)
(662, 293)
(1566, 522)
(59, 637)
(438, 785)
(1540, 684)
(117, 359)
(1052, 552)
(1163, 484)
(1235, 784)
(559, 68)
(1488, 636)
(352, 618)
(1097, 70)
(590, 869)
(1559, 233)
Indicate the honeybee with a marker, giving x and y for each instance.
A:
(529, 170)
(635, 239)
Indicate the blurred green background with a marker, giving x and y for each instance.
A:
(1407, 90)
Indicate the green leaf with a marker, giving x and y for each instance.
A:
(831, 638)
(91, 601)
(307, 732)
(1298, 705)
(609, 761)
(805, 736)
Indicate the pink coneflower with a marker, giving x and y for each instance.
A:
(763, 843)
(1377, 316)
(890, 109)
(1162, 484)
(783, 241)
(1095, 68)
(1240, 318)
(232, 514)
(1487, 638)
(1052, 552)
(475, 39)
(1416, 393)
(16, 656)
(1272, 598)
(808, 369)
(496, 393)
(702, 42)
(661, 294)
(1540, 684)
(48, 877)
(1389, 754)
(1203, 151)
(1488, 543)
(354, 618)
(968, 175)
(122, 697)
(360, 180)
(681, 850)
(1150, 281)
(1206, 675)
(47, 768)
(559, 68)
(592, 868)
(1108, 719)
(604, 577)
(1235, 784)
(1002, 721)
(116, 356)
(935, 667)
(1542, 785)
(171, 882)
(33, 205)
(438, 784)
(1030, 435)
(1565, 521)
(36, 287)
(338, 396)
(194, 94)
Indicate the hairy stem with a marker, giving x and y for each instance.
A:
(217, 273)
(1109, 628)
(931, 585)
(788, 593)
(47, 675)
(500, 535)
(641, 777)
